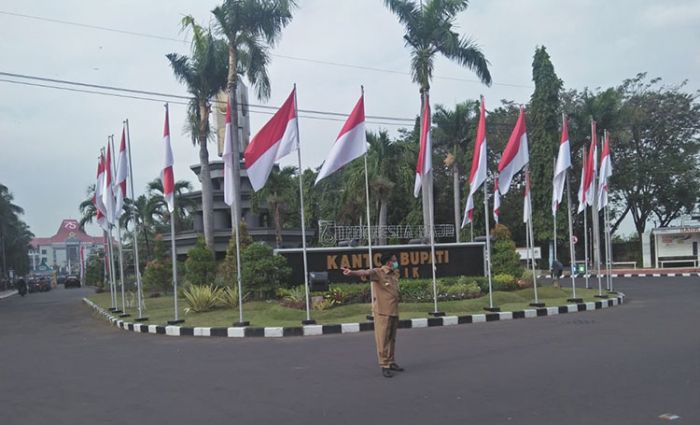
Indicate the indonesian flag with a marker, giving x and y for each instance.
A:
(591, 167)
(515, 155)
(167, 176)
(121, 176)
(228, 157)
(527, 203)
(605, 173)
(496, 202)
(107, 187)
(425, 159)
(563, 164)
(97, 196)
(581, 190)
(274, 141)
(350, 144)
(477, 175)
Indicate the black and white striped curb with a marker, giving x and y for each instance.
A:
(344, 328)
(7, 294)
(593, 276)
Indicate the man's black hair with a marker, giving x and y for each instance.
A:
(386, 257)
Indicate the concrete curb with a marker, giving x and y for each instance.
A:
(593, 276)
(8, 294)
(344, 328)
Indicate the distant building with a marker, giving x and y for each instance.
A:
(61, 252)
(673, 247)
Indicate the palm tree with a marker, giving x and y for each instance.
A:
(15, 236)
(430, 29)
(158, 210)
(279, 193)
(451, 135)
(142, 210)
(251, 27)
(204, 74)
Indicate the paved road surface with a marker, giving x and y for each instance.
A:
(624, 365)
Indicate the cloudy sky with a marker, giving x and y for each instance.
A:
(49, 139)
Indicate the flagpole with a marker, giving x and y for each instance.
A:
(137, 267)
(488, 249)
(235, 227)
(369, 227)
(113, 288)
(554, 228)
(532, 237)
(610, 249)
(309, 320)
(585, 224)
(428, 187)
(119, 238)
(596, 217)
(173, 254)
(572, 251)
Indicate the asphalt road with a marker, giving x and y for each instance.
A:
(59, 364)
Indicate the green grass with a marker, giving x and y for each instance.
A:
(261, 313)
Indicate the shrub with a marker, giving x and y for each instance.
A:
(200, 264)
(416, 291)
(526, 280)
(504, 282)
(504, 257)
(336, 296)
(354, 293)
(201, 298)
(293, 297)
(226, 271)
(263, 272)
(322, 305)
(157, 277)
(229, 296)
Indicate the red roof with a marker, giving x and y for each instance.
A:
(69, 229)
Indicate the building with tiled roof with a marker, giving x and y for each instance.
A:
(61, 252)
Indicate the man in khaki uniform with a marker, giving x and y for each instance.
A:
(385, 308)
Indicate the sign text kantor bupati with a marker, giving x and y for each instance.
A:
(451, 259)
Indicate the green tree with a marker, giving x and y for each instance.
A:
(263, 272)
(157, 277)
(504, 257)
(429, 31)
(278, 194)
(544, 118)
(204, 73)
(227, 274)
(200, 267)
(251, 27)
(15, 236)
(158, 209)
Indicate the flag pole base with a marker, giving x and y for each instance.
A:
(493, 309)
(613, 293)
(176, 322)
(125, 315)
(437, 313)
(141, 319)
(241, 324)
(308, 322)
(538, 305)
(370, 317)
(113, 309)
(601, 296)
(575, 300)
(116, 311)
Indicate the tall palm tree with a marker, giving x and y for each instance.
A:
(15, 236)
(159, 209)
(251, 28)
(453, 130)
(279, 193)
(142, 210)
(430, 30)
(204, 73)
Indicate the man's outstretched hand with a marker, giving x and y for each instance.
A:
(346, 271)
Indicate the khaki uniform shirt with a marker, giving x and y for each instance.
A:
(385, 284)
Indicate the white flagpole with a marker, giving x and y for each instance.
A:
(309, 320)
(488, 248)
(572, 251)
(596, 218)
(554, 228)
(585, 229)
(173, 254)
(369, 223)
(431, 226)
(532, 233)
(113, 285)
(115, 216)
(137, 267)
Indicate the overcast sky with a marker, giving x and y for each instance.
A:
(49, 139)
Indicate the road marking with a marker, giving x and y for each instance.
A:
(669, 417)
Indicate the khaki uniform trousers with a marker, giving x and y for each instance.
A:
(385, 336)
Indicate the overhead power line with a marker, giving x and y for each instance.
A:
(295, 58)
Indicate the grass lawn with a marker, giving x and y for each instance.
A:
(261, 313)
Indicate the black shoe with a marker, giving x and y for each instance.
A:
(386, 372)
(396, 367)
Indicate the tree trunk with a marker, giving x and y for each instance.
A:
(426, 181)
(205, 177)
(383, 211)
(232, 88)
(455, 195)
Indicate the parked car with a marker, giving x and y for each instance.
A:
(72, 282)
(40, 284)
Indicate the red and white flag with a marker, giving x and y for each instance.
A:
(274, 141)
(515, 156)
(425, 158)
(563, 164)
(605, 173)
(121, 176)
(108, 187)
(477, 175)
(581, 190)
(97, 196)
(527, 202)
(591, 167)
(167, 176)
(350, 144)
(496, 201)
